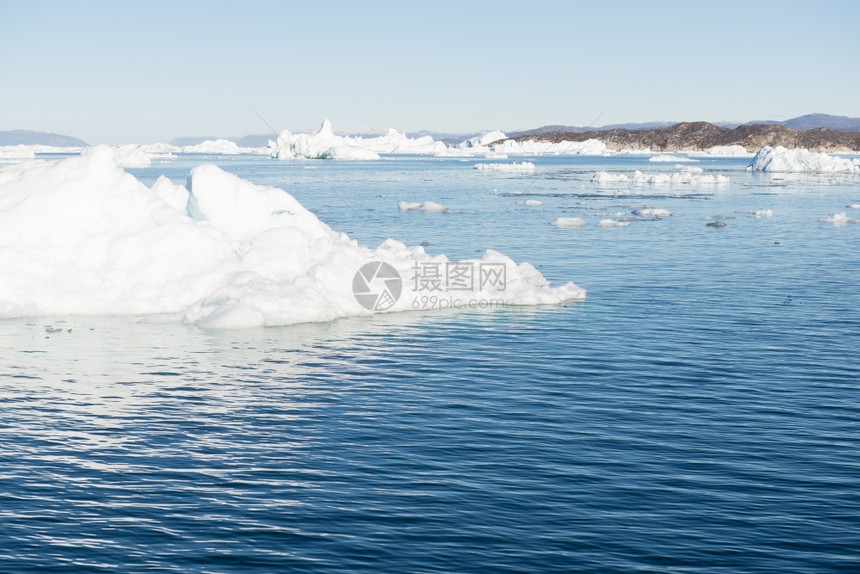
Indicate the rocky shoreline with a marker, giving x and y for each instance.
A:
(699, 136)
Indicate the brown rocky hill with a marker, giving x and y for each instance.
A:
(698, 136)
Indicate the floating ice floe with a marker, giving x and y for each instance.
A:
(654, 212)
(671, 158)
(325, 144)
(853, 206)
(612, 223)
(522, 167)
(81, 236)
(761, 213)
(839, 219)
(568, 222)
(686, 176)
(425, 206)
(780, 159)
(532, 203)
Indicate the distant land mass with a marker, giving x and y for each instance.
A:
(27, 137)
(809, 121)
(698, 136)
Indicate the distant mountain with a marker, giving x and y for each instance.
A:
(697, 136)
(27, 137)
(812, 121)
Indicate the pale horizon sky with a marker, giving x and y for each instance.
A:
(123, 72)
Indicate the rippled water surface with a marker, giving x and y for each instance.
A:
(699, 412)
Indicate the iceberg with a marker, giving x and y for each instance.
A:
(325, 144)
(523, 167)
(780, 159)
(80, 236)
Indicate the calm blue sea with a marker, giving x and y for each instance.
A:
(700, 412)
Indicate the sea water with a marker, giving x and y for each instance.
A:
(698, 412)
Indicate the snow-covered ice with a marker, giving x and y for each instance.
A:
(525, 167)
(568, 222)
(81, 236)
(839, 219)
(425, 206)
(780, 159)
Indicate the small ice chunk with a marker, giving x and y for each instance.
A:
(671, 158)
(652, 212)
(532, 202)
(515, 167)
(425, 206)
(568, 222)
(839, 219)
(759, 213)
(612, 223)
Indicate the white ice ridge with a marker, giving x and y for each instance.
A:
(687, 176)
(325, 144)
(780, 159)
(523, 167)
(81, 236)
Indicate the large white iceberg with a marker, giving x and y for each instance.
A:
(325, 144)
(780, 159)
(81, 236)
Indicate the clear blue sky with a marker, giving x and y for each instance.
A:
(120, 72)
